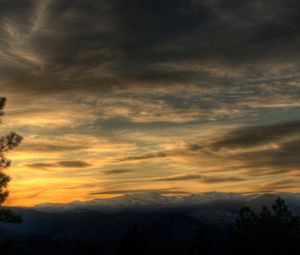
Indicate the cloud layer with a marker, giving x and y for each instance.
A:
(147, 94)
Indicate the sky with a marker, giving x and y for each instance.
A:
(172, 96)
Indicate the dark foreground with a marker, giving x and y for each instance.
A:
(148, 229)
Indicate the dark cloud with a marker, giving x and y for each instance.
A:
(143, 157)
(64, 164)
(106, 45)
(194, 147)
(118, 171)
(73, 163)
(281, 159)
(40, 165)
(258, 135)
(201, 178)
(180, 178)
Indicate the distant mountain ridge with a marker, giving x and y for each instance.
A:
(155, 199)
(146, 199)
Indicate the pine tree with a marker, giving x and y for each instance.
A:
(7, 142)
(269, 232)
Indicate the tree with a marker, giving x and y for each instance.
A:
(7, 142)
(269, 232)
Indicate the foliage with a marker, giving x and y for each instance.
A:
(269, 232)
(7, 142)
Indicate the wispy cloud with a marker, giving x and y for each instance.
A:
(258, 135)
(143, 157)
(274, 186)
(95, 86)
(63, 164)
(118, 171)
(135, 191)
(201, 178)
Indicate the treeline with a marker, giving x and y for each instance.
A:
(275, 231)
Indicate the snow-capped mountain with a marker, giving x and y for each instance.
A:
(155, 199)
(208, 197)
(146, 199)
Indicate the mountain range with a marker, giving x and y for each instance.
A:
(168, 223)
(156, 200)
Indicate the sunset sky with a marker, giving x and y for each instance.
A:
(174, 96)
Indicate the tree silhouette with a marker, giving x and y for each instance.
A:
(7, 142)
(269, 232)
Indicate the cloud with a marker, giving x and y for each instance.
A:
(135, 191)
(254, 151)
(201, 178)
(222, 179)
(278, 185)
(258, 135)
(109, 46)
(40, 165)
(143, 157)
(73, 163)
(118, 171)
(63, 164)
(151, 84)
(49, 148)
(59, 142)
(279, 159)
(180, 178)
(110, 57)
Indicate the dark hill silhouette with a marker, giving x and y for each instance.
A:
(166, 229)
